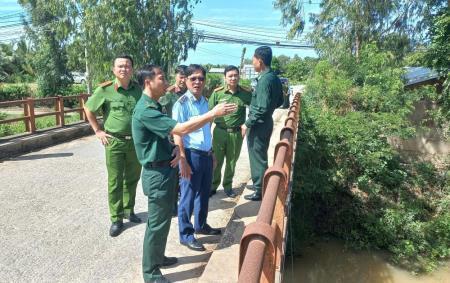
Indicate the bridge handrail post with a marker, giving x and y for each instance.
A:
(59, 107)
(30, 121)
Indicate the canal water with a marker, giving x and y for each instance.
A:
(329, 262)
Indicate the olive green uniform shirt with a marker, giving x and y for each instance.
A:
(241, 98)
(268, 95)
(168, 100)
(117, 104)
(151, 130)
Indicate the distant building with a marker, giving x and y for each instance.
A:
(216, 71)
(248, 72)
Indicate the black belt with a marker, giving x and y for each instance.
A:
(230, 130)
(201, 152)
(120, 136)
(157, 164)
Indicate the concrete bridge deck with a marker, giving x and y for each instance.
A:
(55, 222)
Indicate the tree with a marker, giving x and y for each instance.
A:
(276, 65)
(50, 28)
(15, 62)
(157, 31)
(344, 26)
(298, 69)
(437, 57)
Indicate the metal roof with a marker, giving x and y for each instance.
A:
(415, 75)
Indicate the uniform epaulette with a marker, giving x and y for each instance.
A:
(245, 88)
(183, 98)
(219, 88)
(105, 84)
(171, 88)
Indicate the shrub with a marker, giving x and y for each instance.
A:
(212, 81)
(14, 91)
(350, 183)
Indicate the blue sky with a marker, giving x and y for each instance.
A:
(257, 19)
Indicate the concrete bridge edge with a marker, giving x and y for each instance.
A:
(21, 144)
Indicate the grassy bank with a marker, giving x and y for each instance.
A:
(41, 123)
(350, 183)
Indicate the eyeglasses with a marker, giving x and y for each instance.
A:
(200, 79)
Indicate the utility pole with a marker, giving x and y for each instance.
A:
(88, 72)
(242, 59)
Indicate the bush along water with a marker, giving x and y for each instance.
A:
(348, 180)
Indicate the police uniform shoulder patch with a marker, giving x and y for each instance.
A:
(245, 89)
(183, 98)
(105, 84)
(219, 88)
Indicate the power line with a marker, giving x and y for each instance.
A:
(216, 52)
(261, 34)
(255, 42)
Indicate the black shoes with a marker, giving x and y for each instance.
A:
(254, 197)
(133, 218)
(194, 245)
(230, 193)
(208, 230)
(116, 228)
(168, 261)
(161, 279)
(250, 187)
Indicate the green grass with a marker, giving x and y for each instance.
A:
(41, 123)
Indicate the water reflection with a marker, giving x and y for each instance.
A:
(330, 261)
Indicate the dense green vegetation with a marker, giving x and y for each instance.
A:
(349, 181)
(65, 35)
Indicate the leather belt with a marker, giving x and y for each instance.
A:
(200, 152)
(157, 164)
(230, 130)
(119, 136)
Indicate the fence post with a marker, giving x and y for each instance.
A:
(60, 109)
(30, 122)
(82, 99)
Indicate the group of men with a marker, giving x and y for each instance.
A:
(163, 135)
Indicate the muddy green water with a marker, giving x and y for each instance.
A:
(329, 262)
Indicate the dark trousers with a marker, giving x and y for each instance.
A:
(258, 140)
(194, 195)
(158, 185)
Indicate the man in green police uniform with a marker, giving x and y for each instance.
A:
(268, 95)
(227, 134)
(159, 157)
(175, 91)
(117, 100)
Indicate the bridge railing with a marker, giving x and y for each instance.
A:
(30, 115)
(262, 247)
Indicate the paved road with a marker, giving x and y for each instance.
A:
(55, 222)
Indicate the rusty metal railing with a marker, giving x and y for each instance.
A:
(262, 245)
(29, 113)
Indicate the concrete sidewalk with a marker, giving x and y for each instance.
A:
(56, 223)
